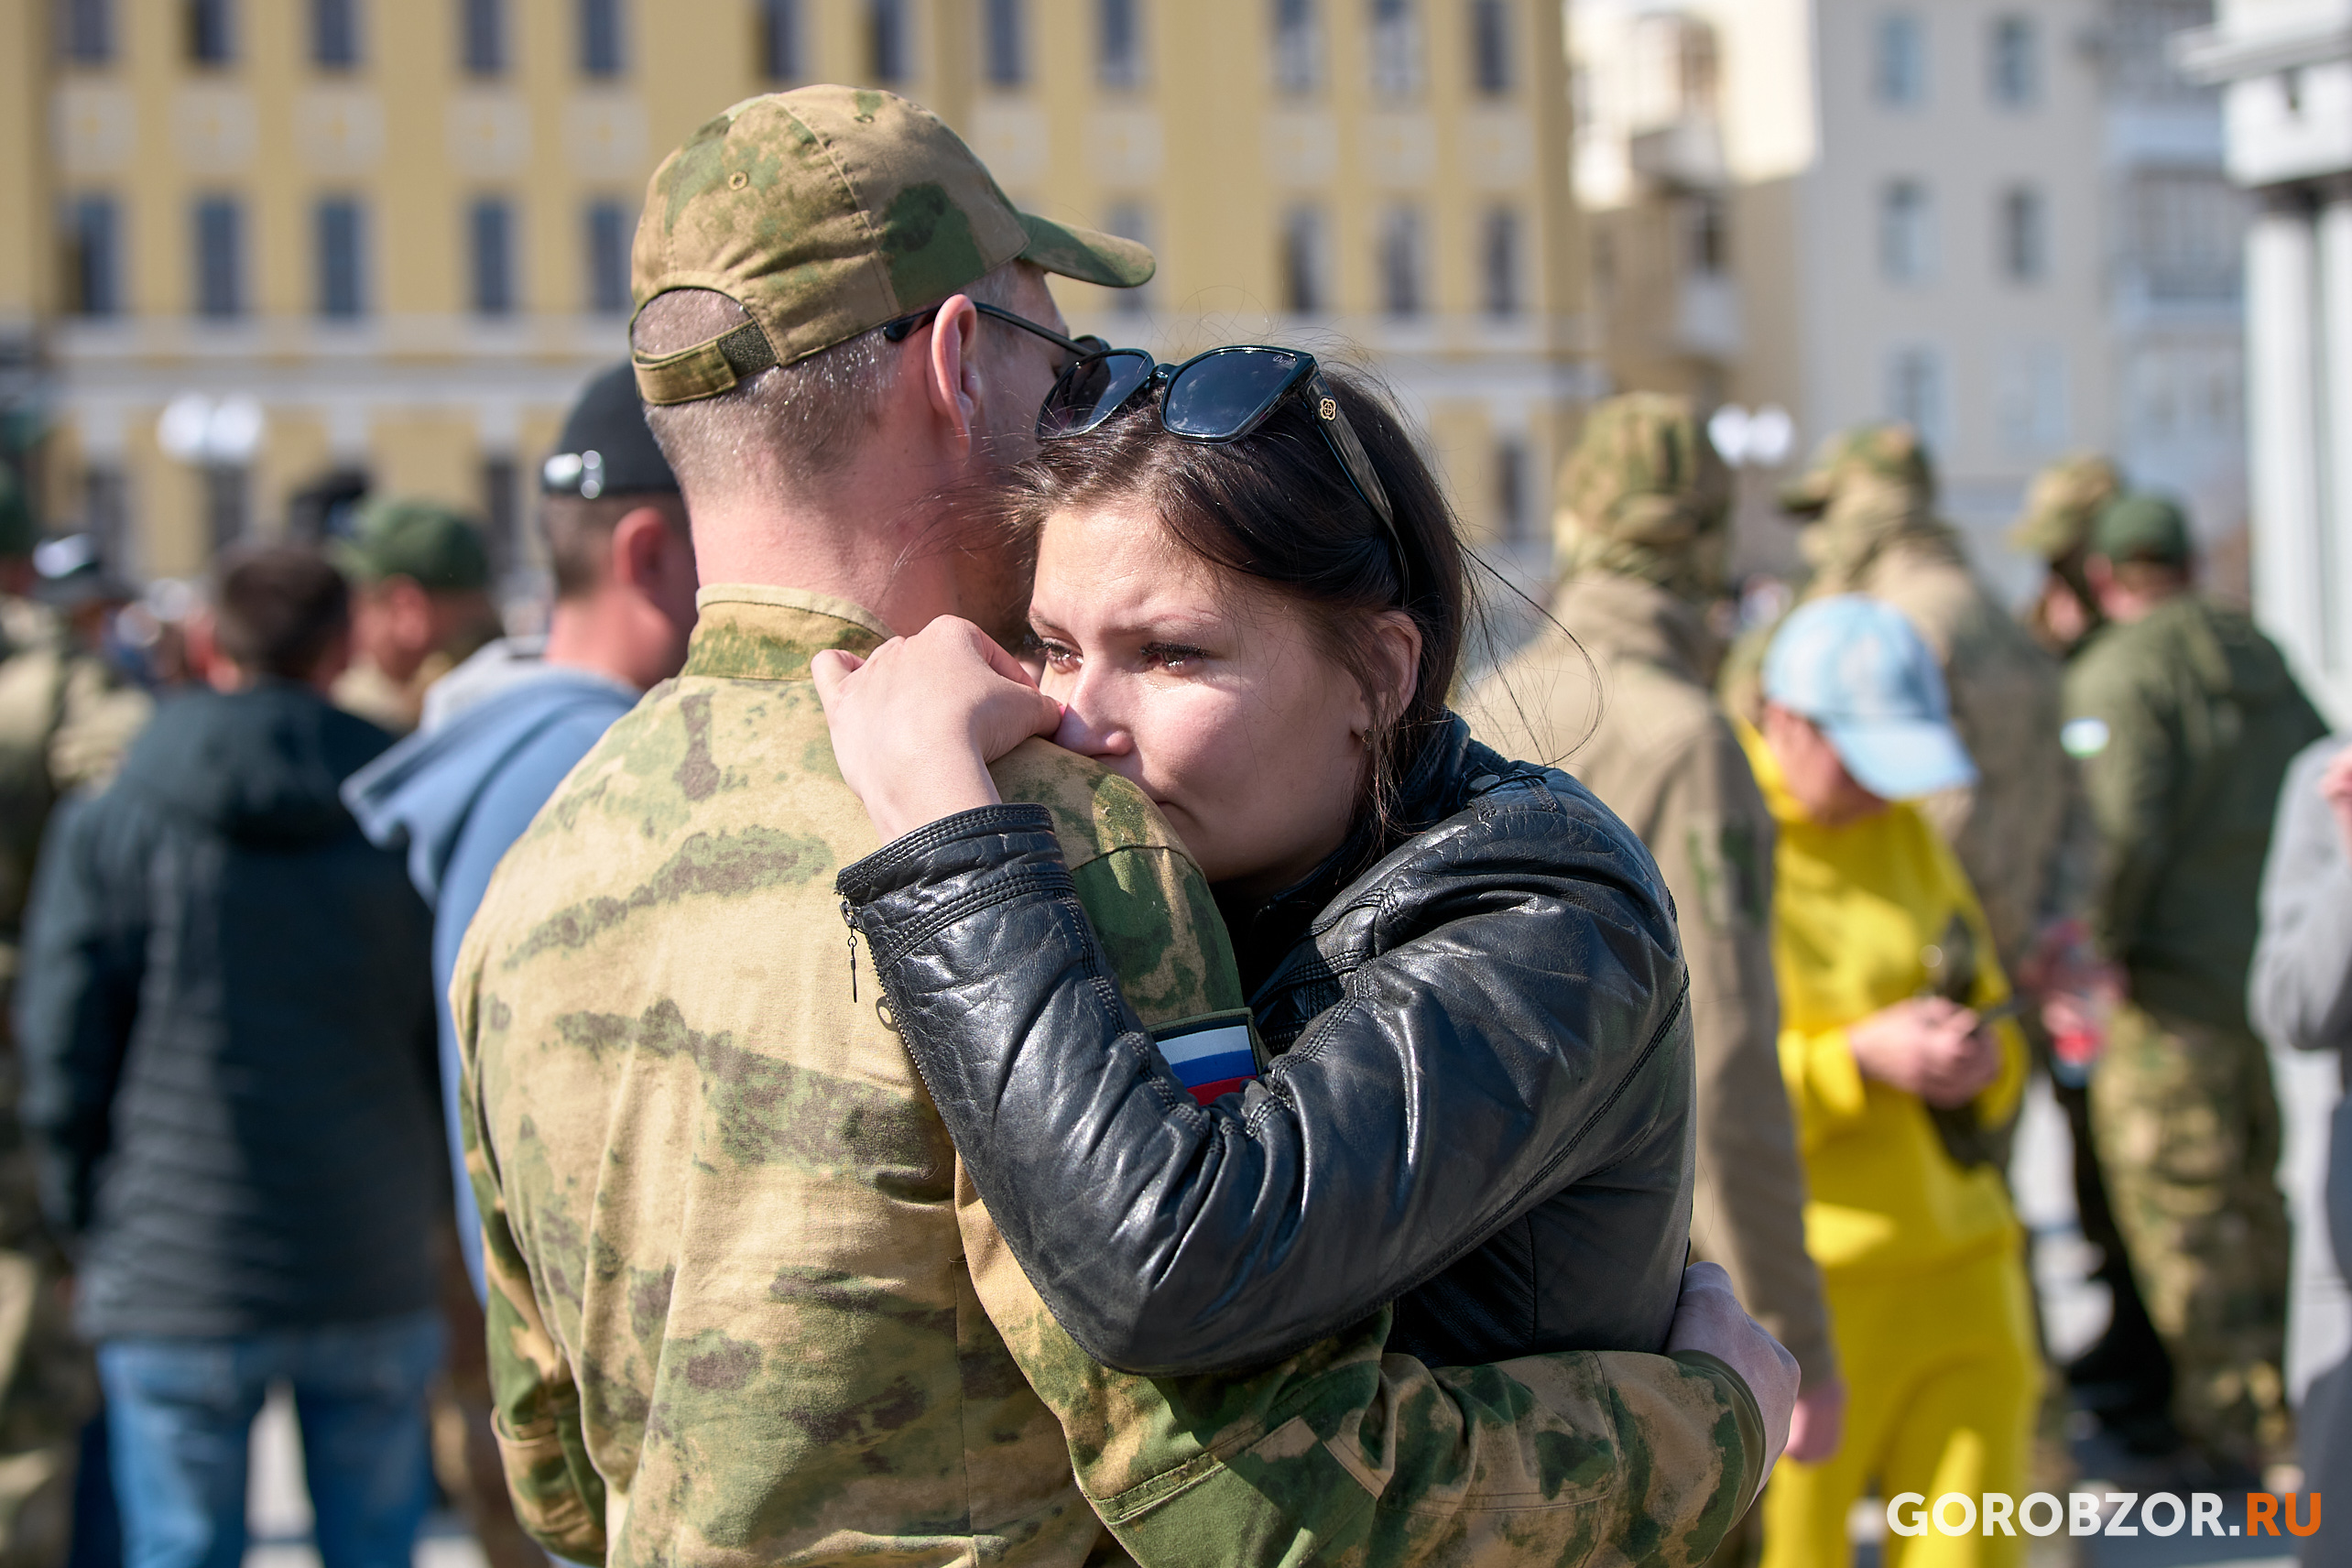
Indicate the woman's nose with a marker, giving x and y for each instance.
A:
(1088, 733)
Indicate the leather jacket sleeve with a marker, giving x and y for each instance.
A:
(1502, 980)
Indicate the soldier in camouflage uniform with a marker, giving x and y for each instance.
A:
(2186, 718)
(744, 1303)
(2125, 1378)
(65, 721)
(2065, 501)
(1641, 540)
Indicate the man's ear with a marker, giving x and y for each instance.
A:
(954, 377)
(639, 542)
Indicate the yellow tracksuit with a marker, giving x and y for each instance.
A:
(1919, 1255)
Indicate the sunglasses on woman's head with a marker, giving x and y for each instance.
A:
(1220, 395)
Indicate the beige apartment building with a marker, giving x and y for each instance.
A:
(257, 256)
(2003, 220)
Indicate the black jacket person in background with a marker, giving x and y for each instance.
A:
(228, 1041)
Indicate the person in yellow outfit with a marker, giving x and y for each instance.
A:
(1900, 1059)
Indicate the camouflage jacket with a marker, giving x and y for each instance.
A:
(2187, 721)
(1661, 755)
(65, 722)
(744, 1305)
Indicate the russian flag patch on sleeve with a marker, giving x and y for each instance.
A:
(1214, 1055)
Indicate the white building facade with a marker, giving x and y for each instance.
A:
(2002, 221)
(2286, 67)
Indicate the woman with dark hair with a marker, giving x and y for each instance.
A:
(1465, 1082)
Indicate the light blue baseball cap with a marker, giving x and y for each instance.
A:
(1853, 666)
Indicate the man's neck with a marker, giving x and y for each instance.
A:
(578, 637)
(861, 555)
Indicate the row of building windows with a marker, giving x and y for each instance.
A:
(1401, 260)
(95, 257)
(1908, 244)
(1899, 65)
(219, 264)
(209, 34)
(86, 35)
(2030, 404)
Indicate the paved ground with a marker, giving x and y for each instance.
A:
(2075, 1309)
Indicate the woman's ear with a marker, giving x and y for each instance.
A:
(1397, 637)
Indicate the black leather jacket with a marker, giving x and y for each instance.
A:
(1482, 1109)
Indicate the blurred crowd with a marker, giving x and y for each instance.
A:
(1923, 850)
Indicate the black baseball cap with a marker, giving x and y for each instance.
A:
(605, 448)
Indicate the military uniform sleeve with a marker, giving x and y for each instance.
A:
(2132, 761)
(1714, 843)
(559, 1498)
(77, 998)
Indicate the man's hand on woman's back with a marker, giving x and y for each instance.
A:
(1709, 1318)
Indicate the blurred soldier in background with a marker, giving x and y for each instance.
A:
(1642, 538)
(65, 721)
(420, 577)
(2065, 500)
(2126, 1379)
(2186, 719)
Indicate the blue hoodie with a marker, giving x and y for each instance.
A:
(457, 794)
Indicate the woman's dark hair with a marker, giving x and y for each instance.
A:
(1278, 507)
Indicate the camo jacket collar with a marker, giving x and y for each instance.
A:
(749, 631)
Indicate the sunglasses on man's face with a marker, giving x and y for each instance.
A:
(1217, 397)
(905, 327)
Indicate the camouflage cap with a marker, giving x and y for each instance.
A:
(2143, 528)
(1878, 456)
(826, 212)
(436, 545)
(17, 534)
(2064, 501)
(1644, 472)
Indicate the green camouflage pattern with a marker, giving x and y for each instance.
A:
(826, 212)
(2187, 721)
(745, 1306)
(1645, 495)
(1866, 485)
(65, 722)
(2186, 1123)
(2062, 504)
